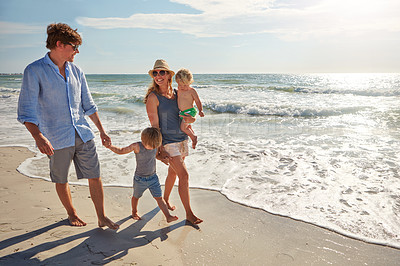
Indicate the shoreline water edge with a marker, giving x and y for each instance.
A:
(314, 148)
(38, 233)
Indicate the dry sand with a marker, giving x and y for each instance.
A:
(34, 230)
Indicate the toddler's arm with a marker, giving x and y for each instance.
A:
(133, 147)
(198, 102)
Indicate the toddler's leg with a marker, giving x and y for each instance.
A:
(135, 201)
(187, 129)
(163, 206)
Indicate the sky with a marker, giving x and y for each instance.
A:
(210, 36)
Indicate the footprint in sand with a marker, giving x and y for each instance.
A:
(61, 234)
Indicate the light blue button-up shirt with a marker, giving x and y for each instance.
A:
(56, 105)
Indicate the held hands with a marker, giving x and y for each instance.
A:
(105, 140)
(163, 156)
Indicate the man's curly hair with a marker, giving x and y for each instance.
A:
(63, 33)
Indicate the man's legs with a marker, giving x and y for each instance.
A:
(64, 193)
(59, 164)
(97, 195)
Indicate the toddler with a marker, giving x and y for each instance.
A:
(145, 174)
(187, 96)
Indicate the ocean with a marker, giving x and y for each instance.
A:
(320, 148)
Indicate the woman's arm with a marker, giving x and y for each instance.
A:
(187, 118)
(152, 112)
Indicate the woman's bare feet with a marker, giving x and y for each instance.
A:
(75, 221)
(135, 216)
(171, 218)
(107, 222)
(194, 220)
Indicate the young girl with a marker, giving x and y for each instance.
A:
(187, 96)
(145, 174)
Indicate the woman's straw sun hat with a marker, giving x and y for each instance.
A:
(161, 64)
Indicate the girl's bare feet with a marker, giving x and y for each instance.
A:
(75, 221)
(107, 222)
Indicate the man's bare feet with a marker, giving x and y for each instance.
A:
(170, 207)
(194, 220)
(194, 142)
(107, 222)
(75, 221)
(135, 216)
(172, 218)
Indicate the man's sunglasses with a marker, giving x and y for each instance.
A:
(74, 47)
(161, 73)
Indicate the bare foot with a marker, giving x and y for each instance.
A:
(171, 218)
(135, 216)
(170, 207)
(107, 222)
(75, 221)
(194, 142)
(194, 220)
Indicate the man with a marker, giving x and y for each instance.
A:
(53, 101)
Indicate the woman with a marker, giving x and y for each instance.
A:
(163, 112)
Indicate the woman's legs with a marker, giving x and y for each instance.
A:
(169, 184)
(179, 168)
(164, 209)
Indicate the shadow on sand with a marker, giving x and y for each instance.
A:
(98, 246)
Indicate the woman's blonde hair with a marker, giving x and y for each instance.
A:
(151, 137)
(153, 87)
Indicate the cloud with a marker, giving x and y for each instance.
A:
(20, 28)
(21, 46)
(287, 19)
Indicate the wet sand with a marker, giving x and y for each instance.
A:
(34, 230)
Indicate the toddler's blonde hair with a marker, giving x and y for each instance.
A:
(185, 76)
(151, 137)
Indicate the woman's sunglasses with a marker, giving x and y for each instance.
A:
(161, 73)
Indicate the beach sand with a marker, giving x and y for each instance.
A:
(34, 230)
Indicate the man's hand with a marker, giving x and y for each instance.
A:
(105, 139)
(44, 145)
(42, 142)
